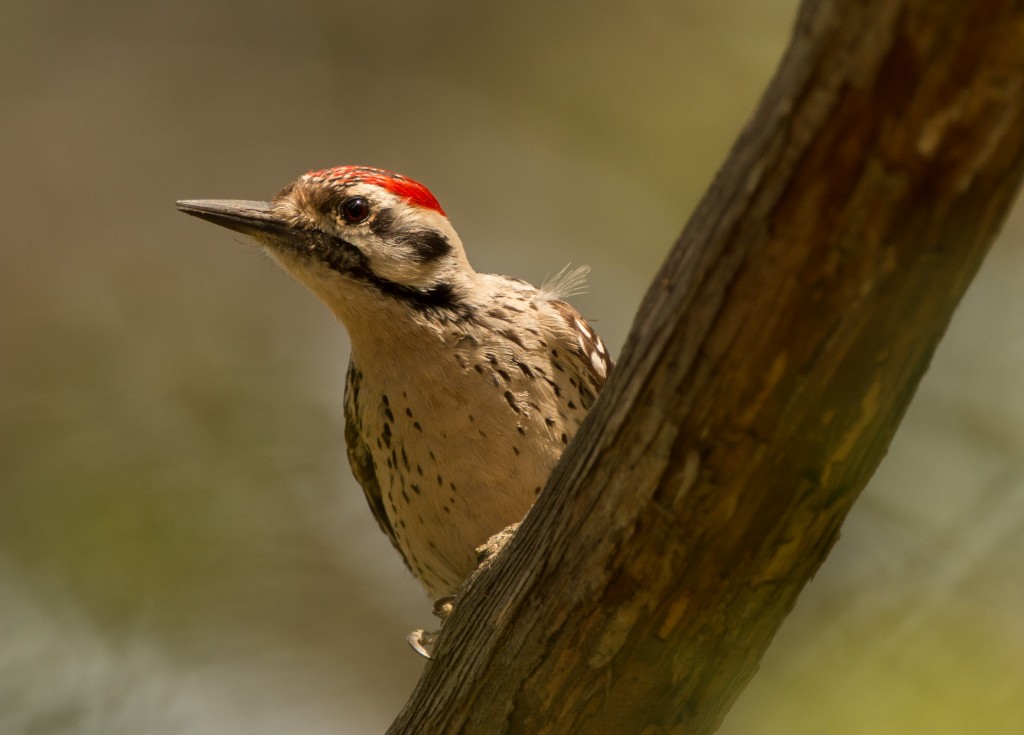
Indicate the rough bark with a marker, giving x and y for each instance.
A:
(769, 366)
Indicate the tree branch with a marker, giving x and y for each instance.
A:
(765, 375)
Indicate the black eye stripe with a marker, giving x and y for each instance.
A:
(424, 246)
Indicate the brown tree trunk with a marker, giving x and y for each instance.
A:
(765, 375)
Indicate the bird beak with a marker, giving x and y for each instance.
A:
(256, 219)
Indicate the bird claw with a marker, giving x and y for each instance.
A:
(443, 606)
(486, 552)
(422, 641)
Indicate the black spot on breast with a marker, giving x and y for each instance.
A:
(565, 438)
(524, 368)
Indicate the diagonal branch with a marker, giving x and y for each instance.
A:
(765, 375)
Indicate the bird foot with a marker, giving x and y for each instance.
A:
(486, 552)
(422, 641)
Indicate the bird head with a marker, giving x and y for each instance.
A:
(364, 240)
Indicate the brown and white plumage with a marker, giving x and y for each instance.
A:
(463, 387)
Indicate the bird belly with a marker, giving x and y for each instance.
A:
(457, 465)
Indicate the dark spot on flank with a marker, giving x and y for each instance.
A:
(549, 421)
(388, 415)
(515, 449)
(415, 488)
(405, 496)
(504, 375)
(512, 337)
(524, 368)
(536, 490)
(408, 412)
(511, 399)
(521, 429)
(565, 438)
(416, 425)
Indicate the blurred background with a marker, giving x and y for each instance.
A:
(182, 547)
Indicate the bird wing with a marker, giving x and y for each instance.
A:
(587, 351)
(360, 458)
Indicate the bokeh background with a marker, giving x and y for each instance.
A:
(182, 547)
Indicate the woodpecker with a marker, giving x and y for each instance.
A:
(463, 388)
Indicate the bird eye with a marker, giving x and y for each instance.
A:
(355, 210)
